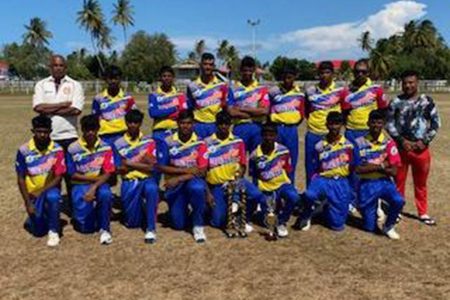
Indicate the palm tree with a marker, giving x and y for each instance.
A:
(199, 48)
(91, 18)
(37, 34)
(222, 50)
(123, 15)
(380, 64)
(426, 36)
(366, 41)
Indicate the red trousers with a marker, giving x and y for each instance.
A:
(420, 165)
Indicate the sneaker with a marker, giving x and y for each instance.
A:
(199, 234)
(248, 228)
(392, 234)
(150, 237)
(352, 210)
(305, 226)
(105, 237)
(53, 239)
(282, 231)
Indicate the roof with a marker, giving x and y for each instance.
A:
(3, 64)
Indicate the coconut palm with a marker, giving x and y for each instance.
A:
(380, 64)
(199, 48)
(222, 50)
(366, 41)
(123, 16)
(37, 34)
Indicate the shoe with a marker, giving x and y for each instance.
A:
(248, 228)
(399, 218)
(392, 234)
(305, 226)
(282, 231)
(381, 215)
(105, 237)
(427, 220)
(199, 234)
(352, 210)
(150, 237)
(53, 239)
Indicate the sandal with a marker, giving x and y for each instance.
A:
(427, 220)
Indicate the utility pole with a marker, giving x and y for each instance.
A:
(253, 24)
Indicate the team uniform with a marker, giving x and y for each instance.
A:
(318, 103)
(414, 119)
(111, 112)
(359, 105)
(376, 185)
(206, 100)
(191, 153)
(332, 166)
(253, 96)
(139, 190)
(287, 111)
(225, 158)
(36, 167)
(164, 108)
(271, 174)
(90, 216)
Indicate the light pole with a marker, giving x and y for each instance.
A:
(253, 24)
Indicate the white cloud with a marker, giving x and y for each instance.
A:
(340, 40)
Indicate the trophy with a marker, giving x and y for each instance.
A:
(237, 209)
(271, 219)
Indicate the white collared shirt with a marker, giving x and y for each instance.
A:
(63, 127)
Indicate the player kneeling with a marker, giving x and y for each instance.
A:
(270, 164)
(378, 162)
(40, 166)
(184, 162)
(333, 161)
(90, 165)
(226, 166)
(135, 157)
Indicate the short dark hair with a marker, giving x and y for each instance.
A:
(90, 122)
(376, 115)
(248, 62)
(362, 61)
(326, 65)
(207, 56)
(335, 117)
(289, 70)
(41, 121)
(269, 127)
(186, 114)
(410, 73)
(134, 116)
(223, 117)
(166, 69)
(113, 71)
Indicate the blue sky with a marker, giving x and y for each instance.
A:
(312, 29)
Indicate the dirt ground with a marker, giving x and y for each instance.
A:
(319, 264)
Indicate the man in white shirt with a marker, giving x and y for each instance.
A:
(62, 99)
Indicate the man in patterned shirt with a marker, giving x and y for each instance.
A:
(207, 95)
(413, 122)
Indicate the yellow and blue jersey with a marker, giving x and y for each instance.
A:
(377, 151)
(271, 171)
(206, 100)
(286, 107)
(112, 110)
(125, 148)
(252, 96)
(91, 163)
(225, 158)
(361, 102)
(165, 108)
(36, 166)
(334, 160)
(319, 103)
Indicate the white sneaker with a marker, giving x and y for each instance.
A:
(352, 210)
(392, 234)
(105, 237)
(53, 239)
(150, 237)
(282, 231)
(199, 234)
(307, 226)
(248, 228)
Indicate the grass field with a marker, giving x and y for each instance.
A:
(319, 264)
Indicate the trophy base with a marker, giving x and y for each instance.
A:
(271, 236)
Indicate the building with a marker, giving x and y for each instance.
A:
(4, 70)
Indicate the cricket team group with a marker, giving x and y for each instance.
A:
(358, 149)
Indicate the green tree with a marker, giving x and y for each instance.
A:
(123, 16)
(222, 50)
(76, 65)
(27, 61)
(37, 34)
(365, 41)
(345, 71)
(305, 69)
(199, 48)
(145, 54)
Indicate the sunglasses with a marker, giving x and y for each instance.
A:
(361, 71)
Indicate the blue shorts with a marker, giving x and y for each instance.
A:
(250, 133)
(311, 139)
(203, 130)
(288, 136)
